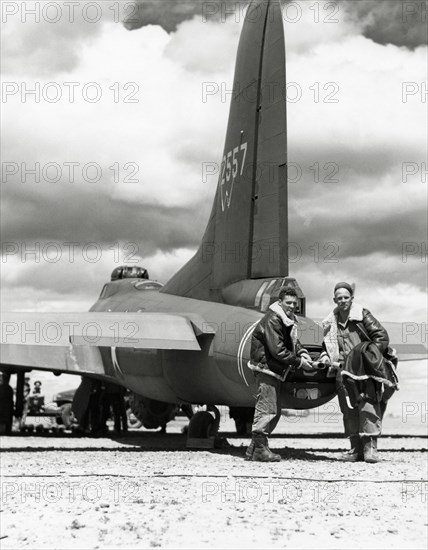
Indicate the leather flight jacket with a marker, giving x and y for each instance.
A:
(272, 346)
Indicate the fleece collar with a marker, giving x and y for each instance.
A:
(356, 314)
(330, 329)
(277, 308)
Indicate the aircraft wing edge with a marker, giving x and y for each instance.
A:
(409, 339)
(62, 342)
(101, 329)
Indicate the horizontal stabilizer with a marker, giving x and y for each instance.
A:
(108, 329)
(69, 359)
(408, 339)
(70, 342)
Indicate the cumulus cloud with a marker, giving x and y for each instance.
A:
(351, 190)
(48, 276)
(47, 38)
(170, 13)
(388, 300)
(397, 22)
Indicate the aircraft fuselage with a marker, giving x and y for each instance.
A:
(218, 374)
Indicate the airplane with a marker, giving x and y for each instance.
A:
(188, 341)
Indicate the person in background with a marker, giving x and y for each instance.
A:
(6, 404)
(36, 401)
(113, 400)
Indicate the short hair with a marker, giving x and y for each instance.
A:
(287, 291)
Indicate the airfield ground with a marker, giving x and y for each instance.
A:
(146, 490)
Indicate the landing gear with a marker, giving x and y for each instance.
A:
(203, 430)
(202, 425)
(243, 417)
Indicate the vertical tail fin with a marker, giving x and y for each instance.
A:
(246, 236)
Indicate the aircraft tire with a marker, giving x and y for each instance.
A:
(241, 426)
(201, 425)
(133, 421)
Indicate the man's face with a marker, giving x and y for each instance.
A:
(343, 299)
(289, 305)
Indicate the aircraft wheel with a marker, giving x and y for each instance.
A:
(201, 425)
(133, 420)
(241, 426)
(30, 428)
(40, 428)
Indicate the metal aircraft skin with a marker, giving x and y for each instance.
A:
(189, 341)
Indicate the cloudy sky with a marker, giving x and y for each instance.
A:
(110, 115)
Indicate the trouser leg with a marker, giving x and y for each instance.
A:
(370, 412)
(370, 419)
(123, 414)
(351, 424)
(382, 406)
(351, 417)
(268, 405)
(116, 414)
(266, 416)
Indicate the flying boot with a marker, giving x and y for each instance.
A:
(250, 449)
(262, 453)
(356, 453)
(370, 450)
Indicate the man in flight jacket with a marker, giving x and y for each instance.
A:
(275, 350)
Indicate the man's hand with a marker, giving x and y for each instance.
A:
(305, 364)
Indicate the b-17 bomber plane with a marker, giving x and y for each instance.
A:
(188, 341)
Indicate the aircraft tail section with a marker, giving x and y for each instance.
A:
(246, 236)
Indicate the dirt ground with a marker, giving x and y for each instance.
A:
(147, 490)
